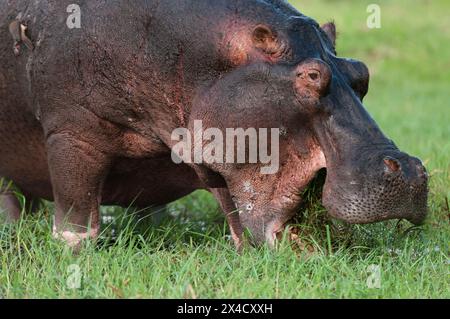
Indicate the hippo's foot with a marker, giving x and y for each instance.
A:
(10, 208)
(74, 239)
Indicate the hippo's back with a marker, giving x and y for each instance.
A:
(161, 47)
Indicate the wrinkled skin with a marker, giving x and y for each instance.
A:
(86, 118)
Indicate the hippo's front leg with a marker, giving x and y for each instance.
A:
(77, 171)
(231, 214)
(9, 206)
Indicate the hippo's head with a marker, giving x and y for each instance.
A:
(291, 79)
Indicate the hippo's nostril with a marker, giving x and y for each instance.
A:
(391, 164)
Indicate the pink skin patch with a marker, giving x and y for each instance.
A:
(73, 239)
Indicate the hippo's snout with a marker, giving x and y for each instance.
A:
(395, 189)
(412, 175)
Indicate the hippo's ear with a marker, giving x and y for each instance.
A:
(330, 30)
(264, 39)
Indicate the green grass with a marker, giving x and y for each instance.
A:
(190, 254)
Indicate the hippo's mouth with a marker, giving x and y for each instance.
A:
(369, 204)
(373, 201)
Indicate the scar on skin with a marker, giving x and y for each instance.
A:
(18, 32)
(248, 188)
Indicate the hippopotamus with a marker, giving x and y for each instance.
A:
(87, 114)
